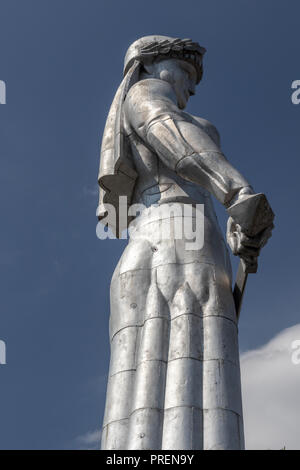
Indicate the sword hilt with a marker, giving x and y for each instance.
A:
(253, 214)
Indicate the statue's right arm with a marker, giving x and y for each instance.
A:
(151, 111)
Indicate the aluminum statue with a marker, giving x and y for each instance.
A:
(174, 375)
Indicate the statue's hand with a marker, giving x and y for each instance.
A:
(247, 248)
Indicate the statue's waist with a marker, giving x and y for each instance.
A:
(170, 191)
(169, 204)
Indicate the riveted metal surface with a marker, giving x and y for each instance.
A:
(183, 429)
(221, 387)
(186, 337)
(184, 383)
(145, 429)
(115, 435)
(123, 350)
(153, 343)
(220, 336)
(118, 405)
(222, 430)
(149, 385)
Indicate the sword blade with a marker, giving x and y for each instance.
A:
(239, 288)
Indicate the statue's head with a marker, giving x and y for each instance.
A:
(177, 61)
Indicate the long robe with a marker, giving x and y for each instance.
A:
(174, 376)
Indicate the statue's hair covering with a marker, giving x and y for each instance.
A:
(149, 48)
(117, 176)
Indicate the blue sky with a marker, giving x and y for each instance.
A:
(62, 62)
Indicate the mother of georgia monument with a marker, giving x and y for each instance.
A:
(174, 376)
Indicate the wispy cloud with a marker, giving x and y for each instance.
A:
(90, 191)
(89, 441)
(271, 394)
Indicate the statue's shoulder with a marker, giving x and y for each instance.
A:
(146, 100)
(151, 89)
(209, 128)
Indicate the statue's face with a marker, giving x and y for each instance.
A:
(181, 75)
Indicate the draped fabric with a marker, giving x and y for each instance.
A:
(174, 376)
(116, 175)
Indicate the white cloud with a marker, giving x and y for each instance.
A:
(271, 393)
(90, 440)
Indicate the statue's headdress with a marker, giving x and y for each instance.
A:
(150, 48)
(117, 175)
